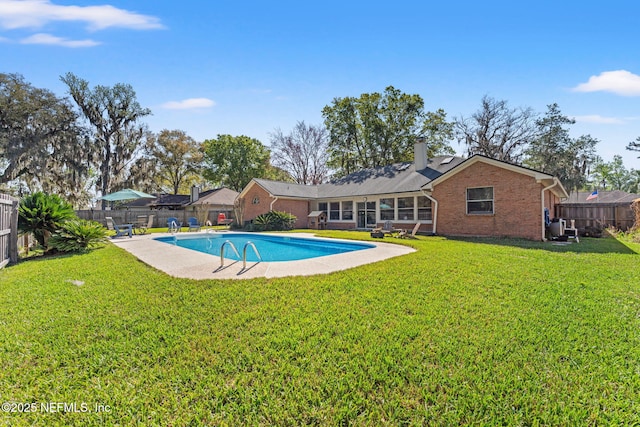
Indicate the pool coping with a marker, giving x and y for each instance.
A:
(187, 263)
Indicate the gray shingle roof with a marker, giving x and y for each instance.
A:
(395, 178)
(288, 189)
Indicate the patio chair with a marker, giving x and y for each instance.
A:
(173, 224)
(121, 229)
(405, 235)
(144, 224)
(222, 220)
(194, 225)
(387, 228)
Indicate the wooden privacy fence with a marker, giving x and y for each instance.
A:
(8, 230)
(597, 215)
(130, 216)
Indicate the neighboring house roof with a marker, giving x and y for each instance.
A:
(138, 203)
(615, 196)
(395, 178)
(544, 178)
(218, 196)
(170, 200)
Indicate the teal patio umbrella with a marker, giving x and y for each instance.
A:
(126, 194)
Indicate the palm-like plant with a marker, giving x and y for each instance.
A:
(41, 214)
(274, 221)
(78, 235)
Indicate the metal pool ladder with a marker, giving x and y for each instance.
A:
(244, 253)
(222, 251)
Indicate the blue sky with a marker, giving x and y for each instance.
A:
(246, 68)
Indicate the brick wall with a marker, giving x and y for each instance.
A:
(299, 208)
(517, 204)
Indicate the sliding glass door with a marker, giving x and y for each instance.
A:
(366, 214)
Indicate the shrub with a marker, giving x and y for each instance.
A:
(42, 214)
(78, 235)
(274, 221)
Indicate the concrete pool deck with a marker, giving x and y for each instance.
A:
(187, 263)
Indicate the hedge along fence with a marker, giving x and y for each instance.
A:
(8, 230)
(130, 216)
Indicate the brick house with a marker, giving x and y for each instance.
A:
(448, 195)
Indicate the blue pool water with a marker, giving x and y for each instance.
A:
(271, 248)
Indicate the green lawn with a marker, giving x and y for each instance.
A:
(483, 332)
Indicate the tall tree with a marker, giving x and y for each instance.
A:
(619, 177)
(634, 145)
(302, 153)
(40, 140)
(553, 151)
(497, 131)
(232, 161)
(437, 133)
(375, 129)
(633, 185)
(114, 115)
(601, 174)
(171, 163)
(613, 175)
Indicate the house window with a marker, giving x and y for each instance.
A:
(347, 211)
(256, 200)
(323, 207)
(480, 201)
(424, 209)
(405, 208)
(334, 210)
(387, 211)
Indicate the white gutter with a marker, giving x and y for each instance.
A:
(273, 202)
(555, 182)
(434, 210)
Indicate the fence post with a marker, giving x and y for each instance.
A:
(13, 235)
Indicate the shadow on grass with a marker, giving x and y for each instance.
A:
(603, 245)
(40, 256)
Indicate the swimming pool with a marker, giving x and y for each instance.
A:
(271, 248)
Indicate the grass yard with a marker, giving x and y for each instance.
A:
(483, 332)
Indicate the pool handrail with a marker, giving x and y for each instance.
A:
(244, 253)
(222, 251)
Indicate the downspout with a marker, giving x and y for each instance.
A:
(273, 202)
(434, 210)
(555, 182)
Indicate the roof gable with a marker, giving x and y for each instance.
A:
(541, 177)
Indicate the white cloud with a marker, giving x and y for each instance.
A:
(189, 104)
(620, 82)
(48, 39)
(595, 118)
(37, 13)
